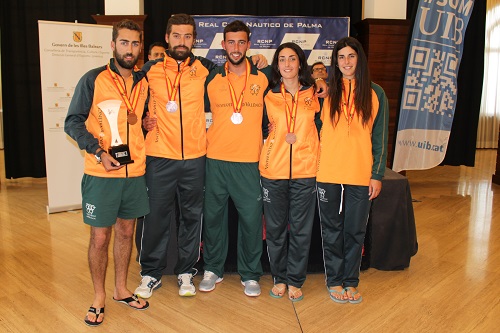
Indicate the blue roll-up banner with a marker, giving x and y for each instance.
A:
(430, 87)
(315, 35)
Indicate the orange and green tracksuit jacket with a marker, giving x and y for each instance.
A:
(87, 124)
(353, 154)
(181, 134)
(278, 159)
(225, 140)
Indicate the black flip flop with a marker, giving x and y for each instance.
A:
(131, 299)
(97, 313)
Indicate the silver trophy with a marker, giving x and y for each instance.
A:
(119, 150)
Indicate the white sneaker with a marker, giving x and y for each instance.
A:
(186, 286)
(209, 281)
(252, 288)
(148, 284)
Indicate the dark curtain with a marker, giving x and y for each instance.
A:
(462, 143)
(159, 11)
(21, 90)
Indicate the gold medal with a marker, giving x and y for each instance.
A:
(290, 138)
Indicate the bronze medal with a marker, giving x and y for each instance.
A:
(132, 118)
(131, 105)
(290, 138)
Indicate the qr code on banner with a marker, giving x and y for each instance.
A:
(431, 81)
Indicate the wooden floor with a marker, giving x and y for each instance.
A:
(452, 284)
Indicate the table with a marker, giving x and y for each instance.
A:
(391, 238)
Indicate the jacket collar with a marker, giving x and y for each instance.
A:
(191, 57)
(253, 69)
(277, 88)
(136, 74)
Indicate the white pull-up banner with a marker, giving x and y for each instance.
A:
(67, 51)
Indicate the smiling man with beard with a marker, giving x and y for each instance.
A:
(105, 108)
(234, 141)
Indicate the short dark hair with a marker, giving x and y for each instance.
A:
(126, 24)
(179, 19)
(156, 44)
(318, 63)
(304, 74)
(237, 26)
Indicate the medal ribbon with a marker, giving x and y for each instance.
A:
(348, 108)
(237, 103)
(172, 88)
(131, 106)
(290, 114)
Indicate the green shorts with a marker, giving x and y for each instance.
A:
(105, 199)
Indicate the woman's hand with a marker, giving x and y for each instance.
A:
(374, 188)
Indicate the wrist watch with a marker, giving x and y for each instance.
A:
(98, 155)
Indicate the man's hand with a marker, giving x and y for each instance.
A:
(148, 122)
(260, 61)
(270, 127)
(109, 163)
(321, 88)
(374, 188)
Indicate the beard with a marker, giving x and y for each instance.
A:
(235, 62)
(127, 64)
(179, 52)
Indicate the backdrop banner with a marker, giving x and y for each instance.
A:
(430, 87)
(67, 51)
(315, 35)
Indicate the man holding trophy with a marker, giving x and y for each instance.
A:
(104, 119)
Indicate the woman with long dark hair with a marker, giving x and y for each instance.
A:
(288, 169)
(351, 164)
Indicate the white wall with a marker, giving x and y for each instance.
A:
(383, 9)
(124, 7)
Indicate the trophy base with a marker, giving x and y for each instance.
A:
(123, 162)
(121, 153)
